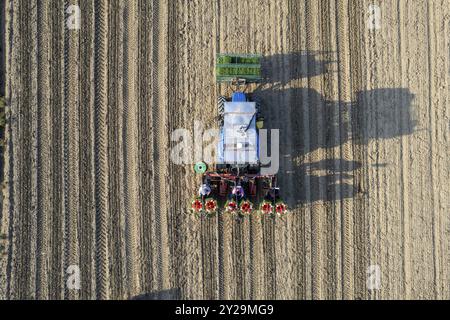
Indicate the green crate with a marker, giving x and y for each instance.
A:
(242, 66)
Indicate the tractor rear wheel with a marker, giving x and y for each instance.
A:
(258, 106)
(221, 109)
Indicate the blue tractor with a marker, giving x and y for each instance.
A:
(236, 178)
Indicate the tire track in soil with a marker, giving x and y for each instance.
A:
(14, 82)
(12, 68)
(404, 154)
(56, 103)
(204, 85)
(120, 284)
(158, 136)
(21, 268)
(177, 213)
(389, 152)
(149, 169)
(402, 273)
(159, 143)
(146, 167)
(171, 222)
(346, 75)
(227, 289)
(86, 147)
(199, 83)
(273, 228)
(434, 160)
(43, 146)
(439, 95)
(6, 201)
(284, 229)
(240, 228)
(332, 138)
(175, 120)
(358, 152)
(101, 148)
(130, 148)
(316, 120)
(369, 124)
(239, 264)
(303, 139)
(296, 130)
(71, 187)
(233, 255)
(113, 157)
(186, 98)
(21, 261)
(385, 153)
(417, 223)
(251, 228)
(34, 151)
(220, 220)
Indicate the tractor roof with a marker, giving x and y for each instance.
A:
(239, 140)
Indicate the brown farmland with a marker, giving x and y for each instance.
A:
(364, 155)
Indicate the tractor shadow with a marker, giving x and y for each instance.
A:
(312, 127)
(296, 66)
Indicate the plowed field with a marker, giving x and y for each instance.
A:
(360, 95)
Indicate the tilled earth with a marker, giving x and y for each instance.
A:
(360, 95)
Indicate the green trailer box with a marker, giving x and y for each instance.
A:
(238, 66)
